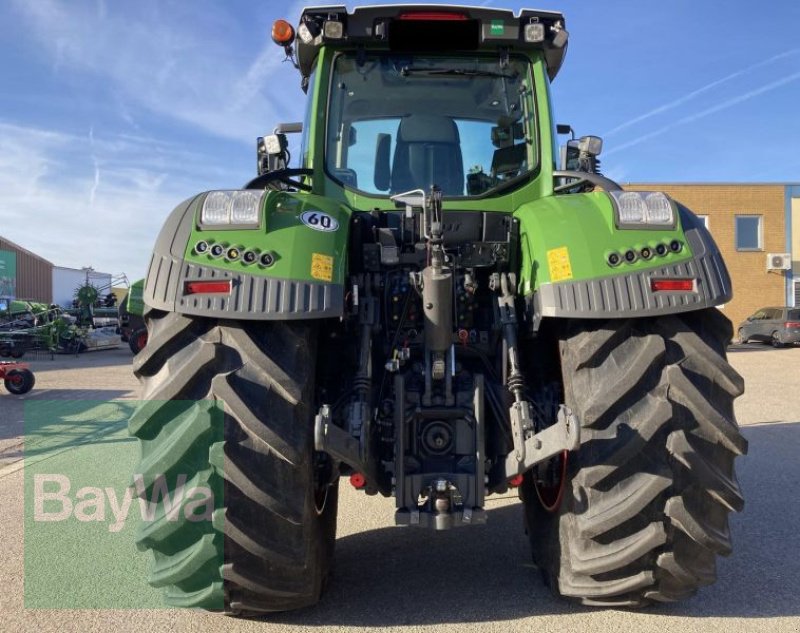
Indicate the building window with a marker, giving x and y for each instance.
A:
(748, 233)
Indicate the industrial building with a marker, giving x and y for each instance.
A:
(24, 275)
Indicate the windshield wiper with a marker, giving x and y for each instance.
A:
(453, 72)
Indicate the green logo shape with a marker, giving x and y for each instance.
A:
(92, 505)
(498, 27)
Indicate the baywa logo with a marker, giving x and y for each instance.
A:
(55, 501)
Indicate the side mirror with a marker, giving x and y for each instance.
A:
(570, 156)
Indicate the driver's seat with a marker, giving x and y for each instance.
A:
(428, 152)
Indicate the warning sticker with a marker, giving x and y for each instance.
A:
(558, 261)
(321, 266)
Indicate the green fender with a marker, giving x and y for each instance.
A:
(134, 302)
(299, 271)
(566, 242)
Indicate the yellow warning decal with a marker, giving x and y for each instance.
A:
(558, 261)
(321, 266)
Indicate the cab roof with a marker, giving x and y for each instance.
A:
(431, 28)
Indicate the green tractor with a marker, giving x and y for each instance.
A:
(429, 307)
(131, 324)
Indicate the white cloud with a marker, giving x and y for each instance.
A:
(55, 203)
(700, 91)
(724, 105)
(191, 66)
(100, 197)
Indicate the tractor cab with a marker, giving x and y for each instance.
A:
(421, 96)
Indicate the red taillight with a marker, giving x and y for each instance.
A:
(358, 481)
(207, 287)
(432, 15)
(515, 481)
(673, 285)
(791, 324)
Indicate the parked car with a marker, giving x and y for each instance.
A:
(779, 326)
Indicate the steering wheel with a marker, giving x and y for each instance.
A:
(281, 175)
(582, 178)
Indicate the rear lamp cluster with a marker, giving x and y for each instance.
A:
(646, 253)
(233, 253)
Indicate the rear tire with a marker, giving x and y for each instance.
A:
(270, 544)
(646, 510)
(137, 340)
(19, 381)
(775, 340)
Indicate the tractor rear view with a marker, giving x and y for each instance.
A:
(428, 307)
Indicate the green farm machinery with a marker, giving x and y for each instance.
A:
(426, 305)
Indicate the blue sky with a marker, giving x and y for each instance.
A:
(112, 112)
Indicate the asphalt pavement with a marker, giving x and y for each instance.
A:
(392, 578)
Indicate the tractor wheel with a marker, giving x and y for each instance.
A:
(646, 498)
(230, 404)
(19, 381)
(137, 340)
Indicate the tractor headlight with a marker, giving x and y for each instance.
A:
(232, 208)
(643, 210)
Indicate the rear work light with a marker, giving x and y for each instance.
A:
(333, 30)
(672, 285)
(534, 32)
(432, 16)
(207, 287)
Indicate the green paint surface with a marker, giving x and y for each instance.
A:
(8, 274)
(83, 556)
(583, 224)
(293, 244)
(135, 299)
